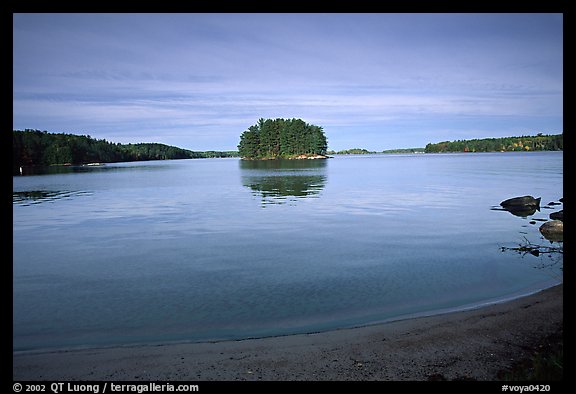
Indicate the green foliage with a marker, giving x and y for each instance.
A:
(358, 151)
(354, 151)
(281, 138)
(35, 147)
(539, 142)
(404, 150)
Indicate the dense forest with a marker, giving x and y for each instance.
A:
(538, 142)
(34, 147)
(281, 138)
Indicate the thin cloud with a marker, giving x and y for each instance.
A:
(381, 79)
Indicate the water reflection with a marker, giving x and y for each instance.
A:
(26, 198)
(520, 211)
(92, 168)
(50, 170)
(281, 181)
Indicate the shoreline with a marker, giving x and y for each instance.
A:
(473, 343)
(409, 316)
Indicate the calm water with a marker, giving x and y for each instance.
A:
(195, 250)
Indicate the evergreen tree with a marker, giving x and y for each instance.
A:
(250, 143)
(282, 138)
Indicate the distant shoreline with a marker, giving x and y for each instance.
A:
(475, 344)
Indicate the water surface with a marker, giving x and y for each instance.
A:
(209, 249)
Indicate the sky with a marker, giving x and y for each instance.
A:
(373, 81)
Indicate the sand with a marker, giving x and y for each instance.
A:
(473, 344)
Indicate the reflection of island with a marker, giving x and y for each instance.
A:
(276, 181)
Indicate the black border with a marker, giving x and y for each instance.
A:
(409, 6)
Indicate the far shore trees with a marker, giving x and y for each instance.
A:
(282, 138)
(40, 148)
(524, 143)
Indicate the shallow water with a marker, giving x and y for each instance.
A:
(193, 250)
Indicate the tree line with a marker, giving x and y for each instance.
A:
(35, 147)
(282, 138)
(361, 151)
(539, 142)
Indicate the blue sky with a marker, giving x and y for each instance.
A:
(375, 81)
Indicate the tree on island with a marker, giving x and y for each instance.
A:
(282, 138)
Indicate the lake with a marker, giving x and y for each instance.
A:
(213, 249)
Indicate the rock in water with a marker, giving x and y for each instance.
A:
(553, 231)
(524, 201)
(521, 206)
(557, 215)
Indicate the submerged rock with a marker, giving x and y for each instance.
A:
(553, 230)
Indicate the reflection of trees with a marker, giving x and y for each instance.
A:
(276, 181)
(282, 185)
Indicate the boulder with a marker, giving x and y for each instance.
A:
(557, 215)
(524, 201)
(521, 206)
(553, 230)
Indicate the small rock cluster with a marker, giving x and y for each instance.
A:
(527, 205)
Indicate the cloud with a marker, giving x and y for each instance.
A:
(182, 78)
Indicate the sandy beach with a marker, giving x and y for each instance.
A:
(474, 344)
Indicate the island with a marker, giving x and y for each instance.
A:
(282, 139)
